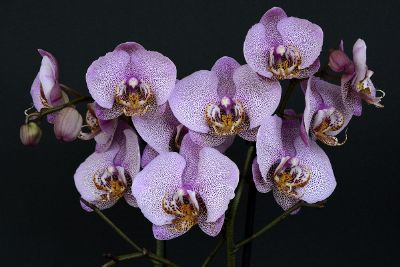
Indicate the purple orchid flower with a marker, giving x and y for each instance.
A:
(282, 47)
(356, 79)
(177, 191)
(136, 82)
(325, 114)
(46, 91)
(104, 177)
(228, 100)
(286, 165)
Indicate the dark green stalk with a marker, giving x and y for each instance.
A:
(214, 252)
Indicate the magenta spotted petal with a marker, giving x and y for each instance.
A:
(282, 47)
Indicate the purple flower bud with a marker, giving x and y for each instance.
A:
(30, 134)
(67, 125)
(339, 61)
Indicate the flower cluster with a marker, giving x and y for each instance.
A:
(182, 178)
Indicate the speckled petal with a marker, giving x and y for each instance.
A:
(284, 200)
(250, 135)
(269, 144)
(270, 20)
(205, 139)
(256, 49)
(104, 74)
(259, 96)
(35, 93)
(148, 155)
(101, 205)
(161, 177)
(84, 174)
(322, 181)
(129, 155)
(157, 128)
(105, 137)
(166, 232)
(212, 228)
(310, 70)
(190, 151)
(191, 96)
(217, 179)
(155, 69)
(262, 185)
(307, 37)
(224, 68)
(48, 76)
(226, 144)
(313, 103)
(108, 114)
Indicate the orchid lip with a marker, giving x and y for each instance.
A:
(326, 121)
(364, 86)
(226, 118)
(290, 175)
(284, 62)
(136, 97)
(92, 123)
(112, 182)
(184, 206)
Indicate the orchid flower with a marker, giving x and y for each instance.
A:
(105, 177)
(281, 47)
(135, 82)
(356, 79)
(177, 191)
(325, 115)
(46, 91)
(293, 170)
(228, 100)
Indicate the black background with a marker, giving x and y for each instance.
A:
(41, 221)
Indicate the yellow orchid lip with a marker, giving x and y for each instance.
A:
(110, 184)
(284, 62)
(326, 121)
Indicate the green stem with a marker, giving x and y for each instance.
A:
(116, 259)
(277, 220)
(231, 214)
(214, 252)
(143, 251)
(285, 99)
(37, 116)
(160, 250)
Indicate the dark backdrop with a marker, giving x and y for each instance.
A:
(41, 221)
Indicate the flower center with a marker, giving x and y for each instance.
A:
(326, 121)
(284, 62)
(135, 96)
(290, 175)
(185, 207)
(112, 183)
(366, 89)
(226, 118)
(92, 123)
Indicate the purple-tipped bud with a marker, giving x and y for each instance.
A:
(68, 124)
(30, 134)
(339, 61)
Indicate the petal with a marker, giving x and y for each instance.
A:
(104, 74)
(250, 135)
(130, 199)
(105, 137)
(269, 144)
(190, 151)
(129, 155)
(48, 76)
(148, 155)
(217, 179)
(205, 139)
(161, 177)
(157, 70)
(284, 200)
(256, 49)
(224, 68)
(101, 205)
(35, 93)
(360, 59)
(212, 228)
(166, 232)
(226, 144)
(314, 102)
(129, 47)
(310, 70)
(259, 96)
(191, 96)
(322, 181)
(108, 114)
(157, 129)
(84, 174)
(307, 37)
(270, 20)
(262, 185)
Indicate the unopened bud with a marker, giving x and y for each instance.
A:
(30, 134)
(68, 124)
(338, 61)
